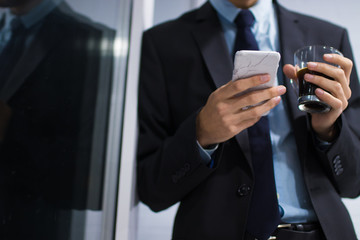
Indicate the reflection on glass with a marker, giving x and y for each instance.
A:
(52, 117)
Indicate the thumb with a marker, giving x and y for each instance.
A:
(289, 71)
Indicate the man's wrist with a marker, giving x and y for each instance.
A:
(328, 135)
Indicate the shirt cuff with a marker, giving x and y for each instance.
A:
(321, 144)
(205, 154)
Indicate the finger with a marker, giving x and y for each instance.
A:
(247, 123)
(238, 86)
(258, 96)
(336, 73)
(335, 103)
(331, 86)
(327, 69)
(258, 111)
(334, 87)
(345, 63)
(289, 71)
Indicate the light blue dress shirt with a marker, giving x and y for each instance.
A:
(29, 20)
(292, 194)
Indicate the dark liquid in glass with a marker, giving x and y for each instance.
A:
(308, 89)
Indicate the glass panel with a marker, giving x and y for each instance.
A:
(56, 76)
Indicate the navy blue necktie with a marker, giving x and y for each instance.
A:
(12, 50)
(263, 216)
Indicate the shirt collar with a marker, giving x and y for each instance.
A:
(261, 10)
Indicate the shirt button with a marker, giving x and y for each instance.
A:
(244, 190)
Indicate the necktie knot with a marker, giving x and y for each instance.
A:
(245, 18)
(245, 39)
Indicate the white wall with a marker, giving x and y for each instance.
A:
(157, 226)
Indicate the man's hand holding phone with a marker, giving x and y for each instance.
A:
(225, 114)
(240, 103)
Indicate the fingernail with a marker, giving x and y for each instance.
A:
(281, 89)
(264, 78)
(311, 65)
(277, 99)
(319, 91)
(308, 76)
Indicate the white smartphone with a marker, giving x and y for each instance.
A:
(249, 63)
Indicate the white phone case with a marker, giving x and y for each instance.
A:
(249, 63)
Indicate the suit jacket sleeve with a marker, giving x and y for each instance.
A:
(169, 163)
(342, 160)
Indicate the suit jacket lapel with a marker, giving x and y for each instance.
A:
(291, 39)
(44, 40)
(209, 36)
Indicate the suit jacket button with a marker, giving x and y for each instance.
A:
(339, 171)
(244, 190)
(336, 160)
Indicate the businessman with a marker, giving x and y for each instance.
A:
(201, 145)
